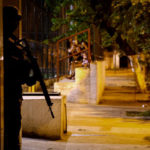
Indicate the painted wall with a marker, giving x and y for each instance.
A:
(139, 73)
(116, 60)
(88, 86)
(82, 85)
(112, 60)
(37, 120)
(97, 81)
(100, 76)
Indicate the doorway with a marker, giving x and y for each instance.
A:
(124, 62)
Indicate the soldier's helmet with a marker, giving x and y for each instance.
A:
(11, 13)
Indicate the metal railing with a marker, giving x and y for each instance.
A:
(62, 56)
(46, 57)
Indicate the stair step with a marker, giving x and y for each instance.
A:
(120, 86)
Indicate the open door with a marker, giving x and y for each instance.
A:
(1, 82)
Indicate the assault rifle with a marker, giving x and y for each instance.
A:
(36, 69)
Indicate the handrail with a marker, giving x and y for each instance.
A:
(66, 57)
(73, 55)
(66, 38)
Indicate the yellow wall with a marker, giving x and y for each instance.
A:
(81, 74)
(112, 60)
(88, 86)
(140, 74)
(100, 75)
(82, 84)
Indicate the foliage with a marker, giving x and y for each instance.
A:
(122, 22)
(73, 19)
(133, 22)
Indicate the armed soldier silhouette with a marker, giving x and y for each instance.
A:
(17, 70)
(20, 67)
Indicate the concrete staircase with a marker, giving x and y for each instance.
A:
(120, 78)
(121, 88)
(88, 87)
